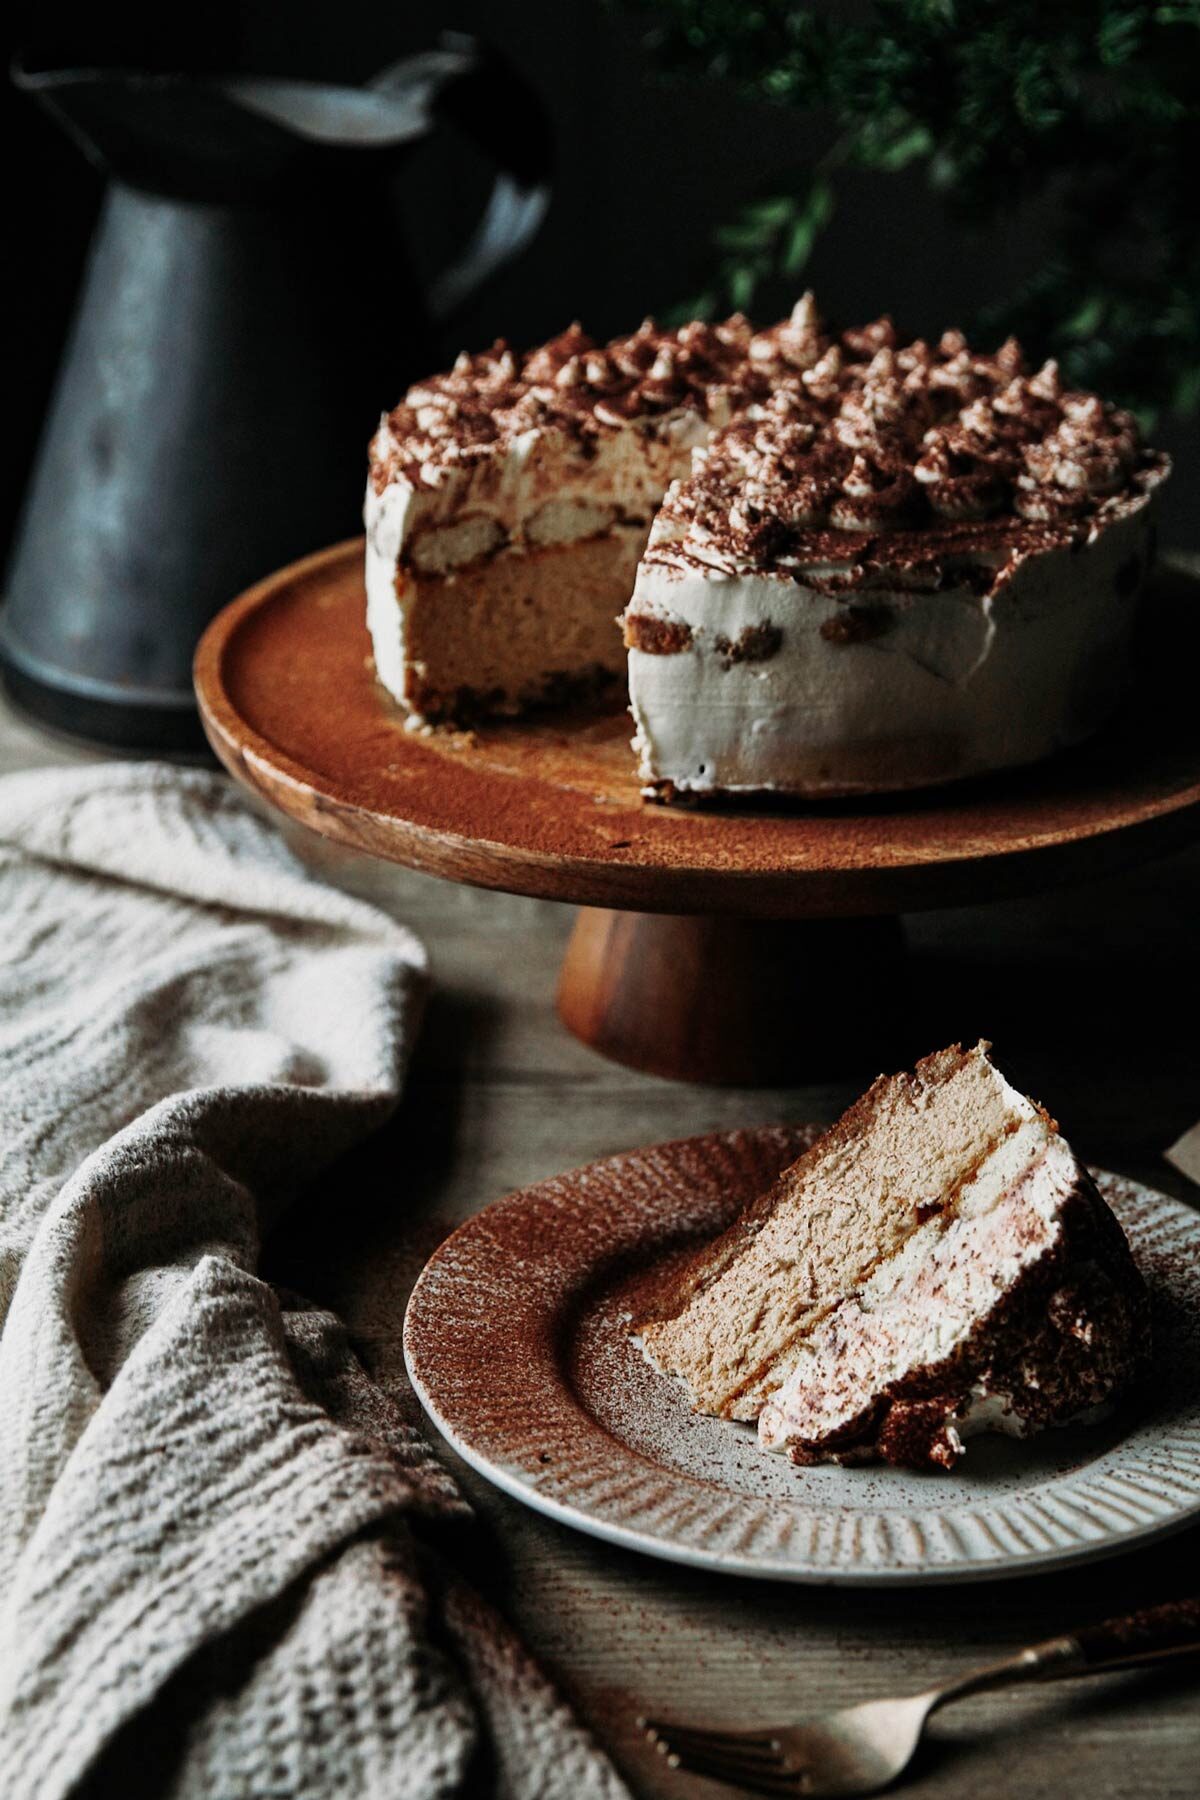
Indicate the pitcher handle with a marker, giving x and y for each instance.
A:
(484, 97)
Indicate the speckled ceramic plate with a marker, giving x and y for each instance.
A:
(517, 1342)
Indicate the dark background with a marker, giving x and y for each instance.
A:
(644, 170)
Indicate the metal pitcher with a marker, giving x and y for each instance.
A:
(248, 307)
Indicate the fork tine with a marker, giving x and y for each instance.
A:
(735, 1740)
(757, 1778)
(709, 1743)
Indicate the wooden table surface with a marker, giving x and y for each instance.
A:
(1090, 996)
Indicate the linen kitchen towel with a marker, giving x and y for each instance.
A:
(1184, 1154)
(216, 1573)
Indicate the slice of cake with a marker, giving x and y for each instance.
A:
(510, 499)
(907, 567)
(939, 1263)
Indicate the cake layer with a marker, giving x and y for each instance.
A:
(520, 631)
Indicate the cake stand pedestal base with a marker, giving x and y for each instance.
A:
(734, 1002)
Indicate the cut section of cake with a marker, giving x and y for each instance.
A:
(939, 1263)
(510, 499)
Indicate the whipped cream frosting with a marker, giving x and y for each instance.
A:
(873, 436)
(508, 451)
(857, 676)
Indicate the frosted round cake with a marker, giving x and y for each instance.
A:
(842, 563)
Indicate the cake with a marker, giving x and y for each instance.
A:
(938, 1264)
(843, 563)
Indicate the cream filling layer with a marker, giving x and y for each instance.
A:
(922, 1304)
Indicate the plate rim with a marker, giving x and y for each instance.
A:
(518, 1486)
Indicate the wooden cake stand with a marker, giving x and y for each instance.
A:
(713, 944)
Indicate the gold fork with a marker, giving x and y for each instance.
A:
(862, 1749)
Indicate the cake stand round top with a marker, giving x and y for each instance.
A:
(550, 806)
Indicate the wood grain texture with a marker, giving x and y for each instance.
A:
(749, 1002)
(1088, 994)
(550, 806)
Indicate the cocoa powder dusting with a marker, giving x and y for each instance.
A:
(818, 437)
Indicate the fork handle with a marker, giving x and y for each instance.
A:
(1167, 1630)
(1172, 1629)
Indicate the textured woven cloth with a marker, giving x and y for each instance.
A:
(1184, 1154)
(218, 1562)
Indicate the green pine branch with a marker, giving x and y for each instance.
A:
(1097, 104)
